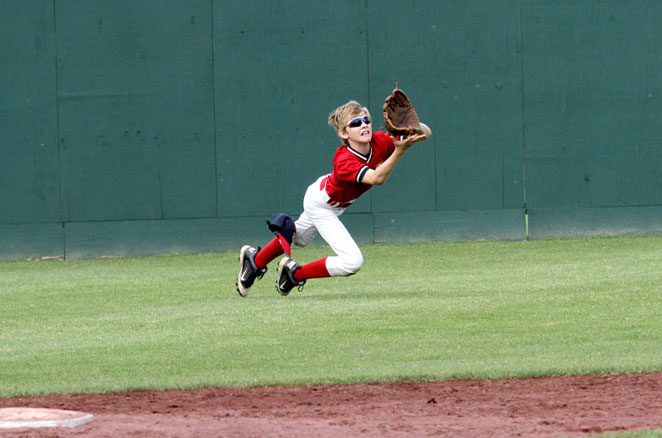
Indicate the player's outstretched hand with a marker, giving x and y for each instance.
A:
(409, 141)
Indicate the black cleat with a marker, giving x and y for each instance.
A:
(248, 271)
(286, 282)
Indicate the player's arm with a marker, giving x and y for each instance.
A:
(379, 175)
(425, 130)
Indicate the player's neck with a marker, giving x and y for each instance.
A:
(362, 148)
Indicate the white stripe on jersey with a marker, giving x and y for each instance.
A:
(361, 174)
(360, 155)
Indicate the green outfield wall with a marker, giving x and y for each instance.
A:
(147, 127)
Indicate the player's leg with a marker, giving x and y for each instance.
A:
(253, 262)
(265, 255)
(319, 217)
(347, 261)
(326, 220)
(306, 232)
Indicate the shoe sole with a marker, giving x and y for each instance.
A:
(245, 291)
(281, 265)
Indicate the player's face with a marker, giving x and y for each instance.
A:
(359, 129)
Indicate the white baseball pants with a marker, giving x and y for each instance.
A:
(319, 217)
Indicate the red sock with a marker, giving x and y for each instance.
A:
(268, 253)
(312, 270)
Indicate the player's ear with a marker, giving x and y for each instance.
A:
(342, 133)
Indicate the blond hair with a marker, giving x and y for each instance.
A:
(339, 118)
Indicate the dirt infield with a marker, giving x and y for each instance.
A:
(567, 406)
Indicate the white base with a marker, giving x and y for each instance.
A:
(12, 418)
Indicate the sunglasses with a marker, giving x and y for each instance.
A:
(355, 123)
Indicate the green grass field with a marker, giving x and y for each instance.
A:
(415, 312)
(635, 434)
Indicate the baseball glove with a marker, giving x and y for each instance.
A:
(400, 118)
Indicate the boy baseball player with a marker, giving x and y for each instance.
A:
(365, 159)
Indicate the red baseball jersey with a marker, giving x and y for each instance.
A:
(349, 167)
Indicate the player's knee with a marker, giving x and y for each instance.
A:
(304, 237)
(300, 240)
(352, 264)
